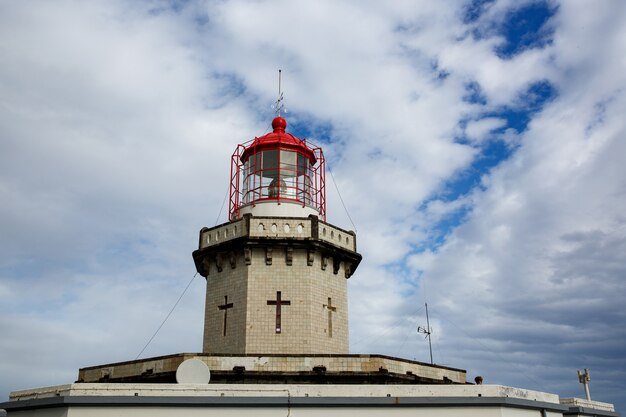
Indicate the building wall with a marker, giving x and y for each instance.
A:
(243, 411)
(305, 324)
(306, 280)
(99, 400)
(45, 412)
(248, 261)
(231, 283)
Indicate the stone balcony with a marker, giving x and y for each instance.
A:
(235, 239)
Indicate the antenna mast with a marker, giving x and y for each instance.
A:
(583, 378)
(279, 106)
(427, 331)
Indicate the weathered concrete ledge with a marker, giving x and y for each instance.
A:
(276, 368)
(234, 399)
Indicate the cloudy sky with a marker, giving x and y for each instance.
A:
(479, 147)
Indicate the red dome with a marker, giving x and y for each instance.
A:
(279, 124)
(278, 139)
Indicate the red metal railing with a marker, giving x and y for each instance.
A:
(257, 180)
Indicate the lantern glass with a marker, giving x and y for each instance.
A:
(277, 174)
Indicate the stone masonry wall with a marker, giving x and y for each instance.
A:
(232, 283)
(305, 323)
(311, 323)
(249, 261)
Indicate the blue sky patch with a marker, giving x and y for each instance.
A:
(476, 8)
(526, 28)
(306, 127)
(494, 151)
(474, 93)
(599, 114)
(491, 153)
(438, 233)
(531, 101)
(521, 28)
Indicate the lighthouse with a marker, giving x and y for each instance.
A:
(276, 272)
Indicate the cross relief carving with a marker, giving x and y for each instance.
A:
(331, 309)
(225, 308)
(278, 302)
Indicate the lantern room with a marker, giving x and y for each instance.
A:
(277, 175)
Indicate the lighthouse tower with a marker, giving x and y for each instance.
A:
(276, 309)
(276, 272)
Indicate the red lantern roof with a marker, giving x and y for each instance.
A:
(278, 139)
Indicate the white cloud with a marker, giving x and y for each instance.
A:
(516, 259)
(478, 130)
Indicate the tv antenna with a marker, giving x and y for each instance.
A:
(427, 331)
(279, 106)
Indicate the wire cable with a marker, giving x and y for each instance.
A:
(341, 199)
(168, 315)
(222, 208)
(367, 339)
